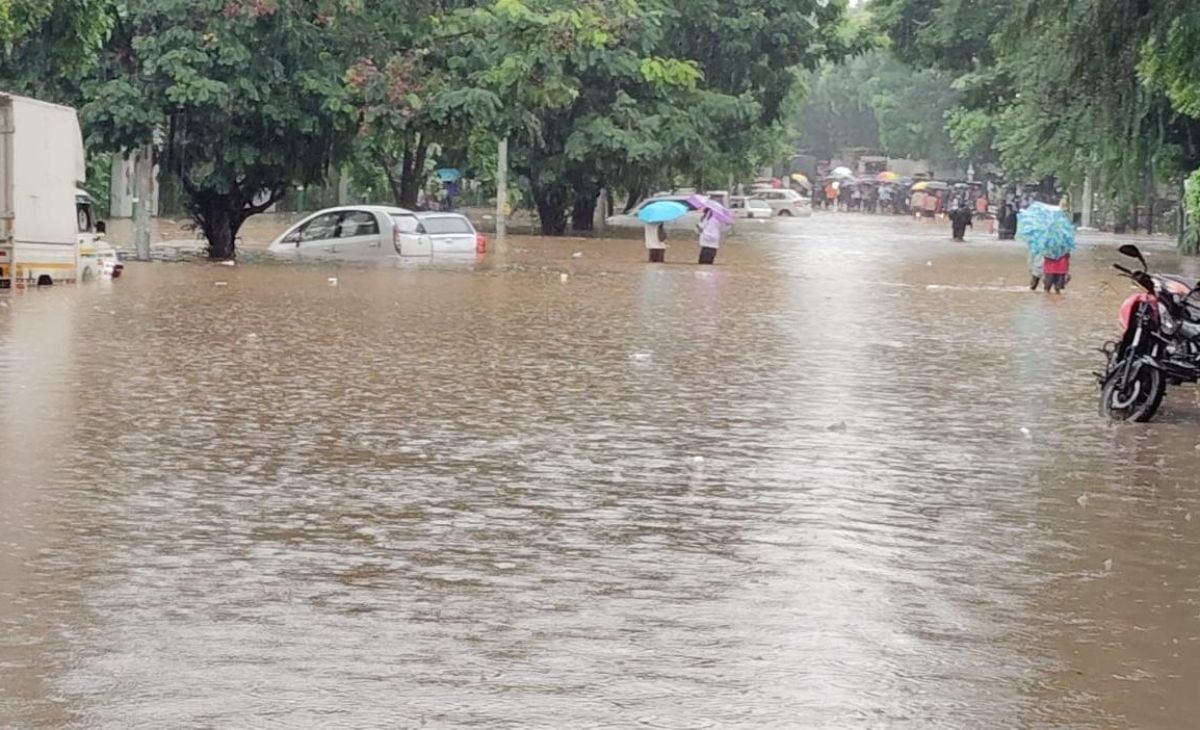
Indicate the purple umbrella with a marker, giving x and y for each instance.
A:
(720, 212)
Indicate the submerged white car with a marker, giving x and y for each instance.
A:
(744, 207)
(363, 232)
(426, 234)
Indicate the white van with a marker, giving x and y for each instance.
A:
(43, 237)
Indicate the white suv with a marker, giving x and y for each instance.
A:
(784, 201)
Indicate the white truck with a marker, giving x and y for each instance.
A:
(47, 226)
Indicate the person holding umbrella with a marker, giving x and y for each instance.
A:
(1050, 235)
(712, 221)
(654, 216)
(656, 242)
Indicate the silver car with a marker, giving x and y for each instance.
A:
(744, 207)
(349, 232)
(427, 234)
(374, 231)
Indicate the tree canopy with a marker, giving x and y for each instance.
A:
(875, 101)
(246, 98)
(1065, 88)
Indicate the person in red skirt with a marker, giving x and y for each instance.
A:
(1057, 272)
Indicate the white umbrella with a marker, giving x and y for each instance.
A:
(842, 172)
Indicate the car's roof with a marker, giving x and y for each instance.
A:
(436, 214)
(388, 209)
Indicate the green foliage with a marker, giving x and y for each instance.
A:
(875, 102)
(246, 98)
(239, 125)
(1065, 88)
(47, 47)
(1190, 241)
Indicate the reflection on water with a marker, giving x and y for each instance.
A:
(851, 476)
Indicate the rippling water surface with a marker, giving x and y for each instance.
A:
(852, 476)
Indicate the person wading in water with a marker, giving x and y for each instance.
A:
(960, 218)
(656, 242)
(710, 237)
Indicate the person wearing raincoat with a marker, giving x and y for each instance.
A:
(656, 242)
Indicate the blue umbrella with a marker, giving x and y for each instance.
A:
(447, 174)
(663, 211)
(1047, 230)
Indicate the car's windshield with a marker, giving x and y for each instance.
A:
(447, 224)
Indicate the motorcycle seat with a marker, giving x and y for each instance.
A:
(1183, 281)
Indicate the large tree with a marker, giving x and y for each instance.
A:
(244, 95)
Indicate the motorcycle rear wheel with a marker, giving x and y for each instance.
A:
(1142, 395)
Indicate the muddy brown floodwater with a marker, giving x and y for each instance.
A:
(853, 476)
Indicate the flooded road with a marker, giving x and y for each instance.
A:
(852, 476)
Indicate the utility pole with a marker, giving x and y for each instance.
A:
(1085, 205)
(502, 195)
(143, 172)
(344, 187)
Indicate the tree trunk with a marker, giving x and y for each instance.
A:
(583, 212)
(389, 172)
(411, 173)
(1153, 185)
(417, 177)
(219, 217)
(635, 197)
(406, 191)
(552, 210)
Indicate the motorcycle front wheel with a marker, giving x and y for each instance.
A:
(1136, 399)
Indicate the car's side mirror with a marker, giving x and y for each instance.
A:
(292, 238)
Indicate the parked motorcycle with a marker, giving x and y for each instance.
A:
(1159, 345)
